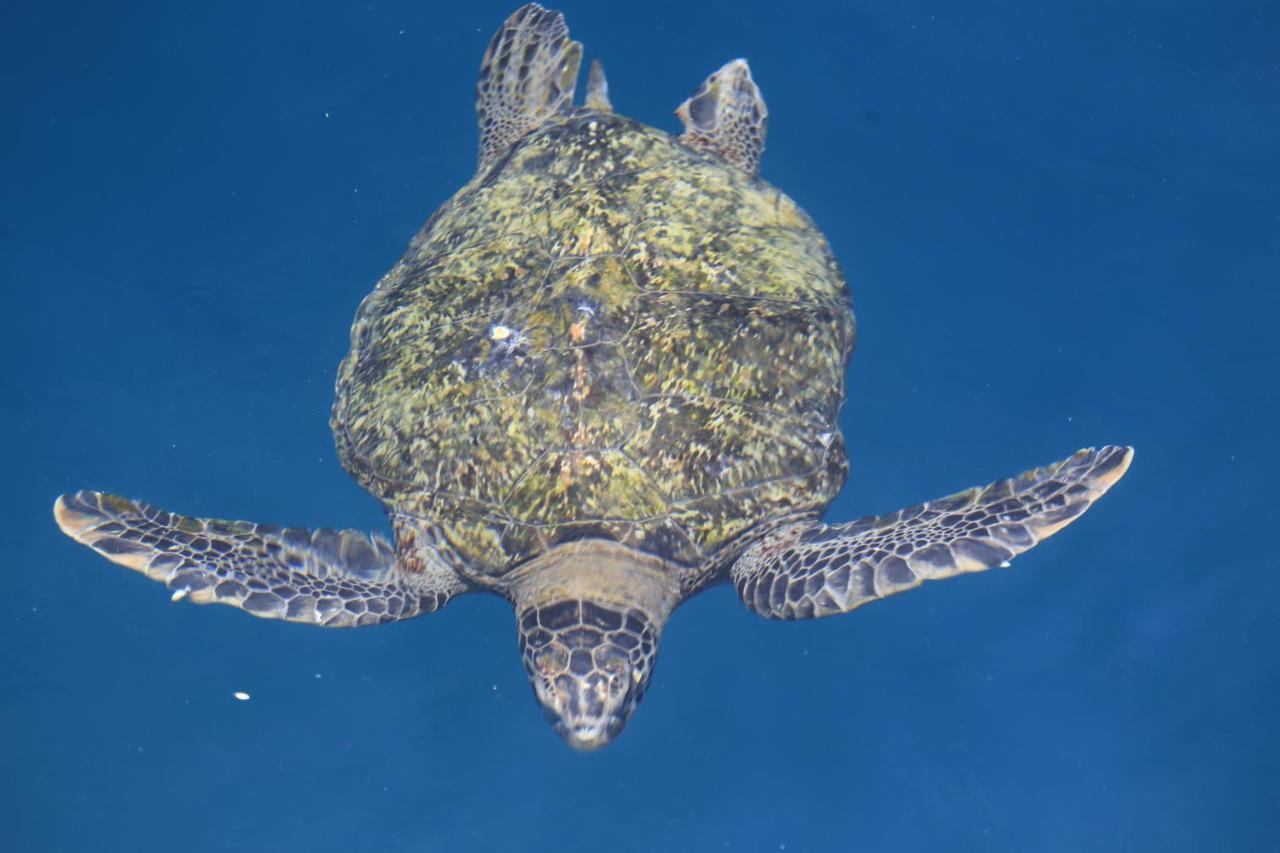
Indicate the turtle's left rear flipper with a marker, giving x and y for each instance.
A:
(528, 75)
(324, 577)
(812, 569)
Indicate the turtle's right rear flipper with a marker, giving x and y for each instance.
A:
(324, 577)
(528, 75)
(727, 115)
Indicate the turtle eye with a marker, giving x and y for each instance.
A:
(614, 664)
(611, 659)
(552, 659)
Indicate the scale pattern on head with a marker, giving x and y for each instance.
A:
(589, 665)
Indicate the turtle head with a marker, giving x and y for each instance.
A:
(589, 614)
(589, 664)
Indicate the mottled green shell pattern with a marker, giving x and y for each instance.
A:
(607, 333)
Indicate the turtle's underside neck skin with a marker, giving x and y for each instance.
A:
(606, 374)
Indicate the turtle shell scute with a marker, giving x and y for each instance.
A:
(609, 334)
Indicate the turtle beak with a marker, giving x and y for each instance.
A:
(587, 738)
(588, 711)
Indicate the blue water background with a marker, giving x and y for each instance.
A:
(1061, 227)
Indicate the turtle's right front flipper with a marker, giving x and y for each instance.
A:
(811, 569)
(324, 577)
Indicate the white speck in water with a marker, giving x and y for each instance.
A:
(318, 675)
(499, 332)
(326, 114)
(241, 695)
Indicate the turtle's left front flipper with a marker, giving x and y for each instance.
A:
(324, 577)
(811, 569)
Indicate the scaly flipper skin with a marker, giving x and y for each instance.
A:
(527, 76)
(337, 579)
(727, 115)
(810, 570)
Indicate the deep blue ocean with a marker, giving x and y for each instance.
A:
(1061, 228)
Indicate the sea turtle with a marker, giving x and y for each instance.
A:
(605, 376)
